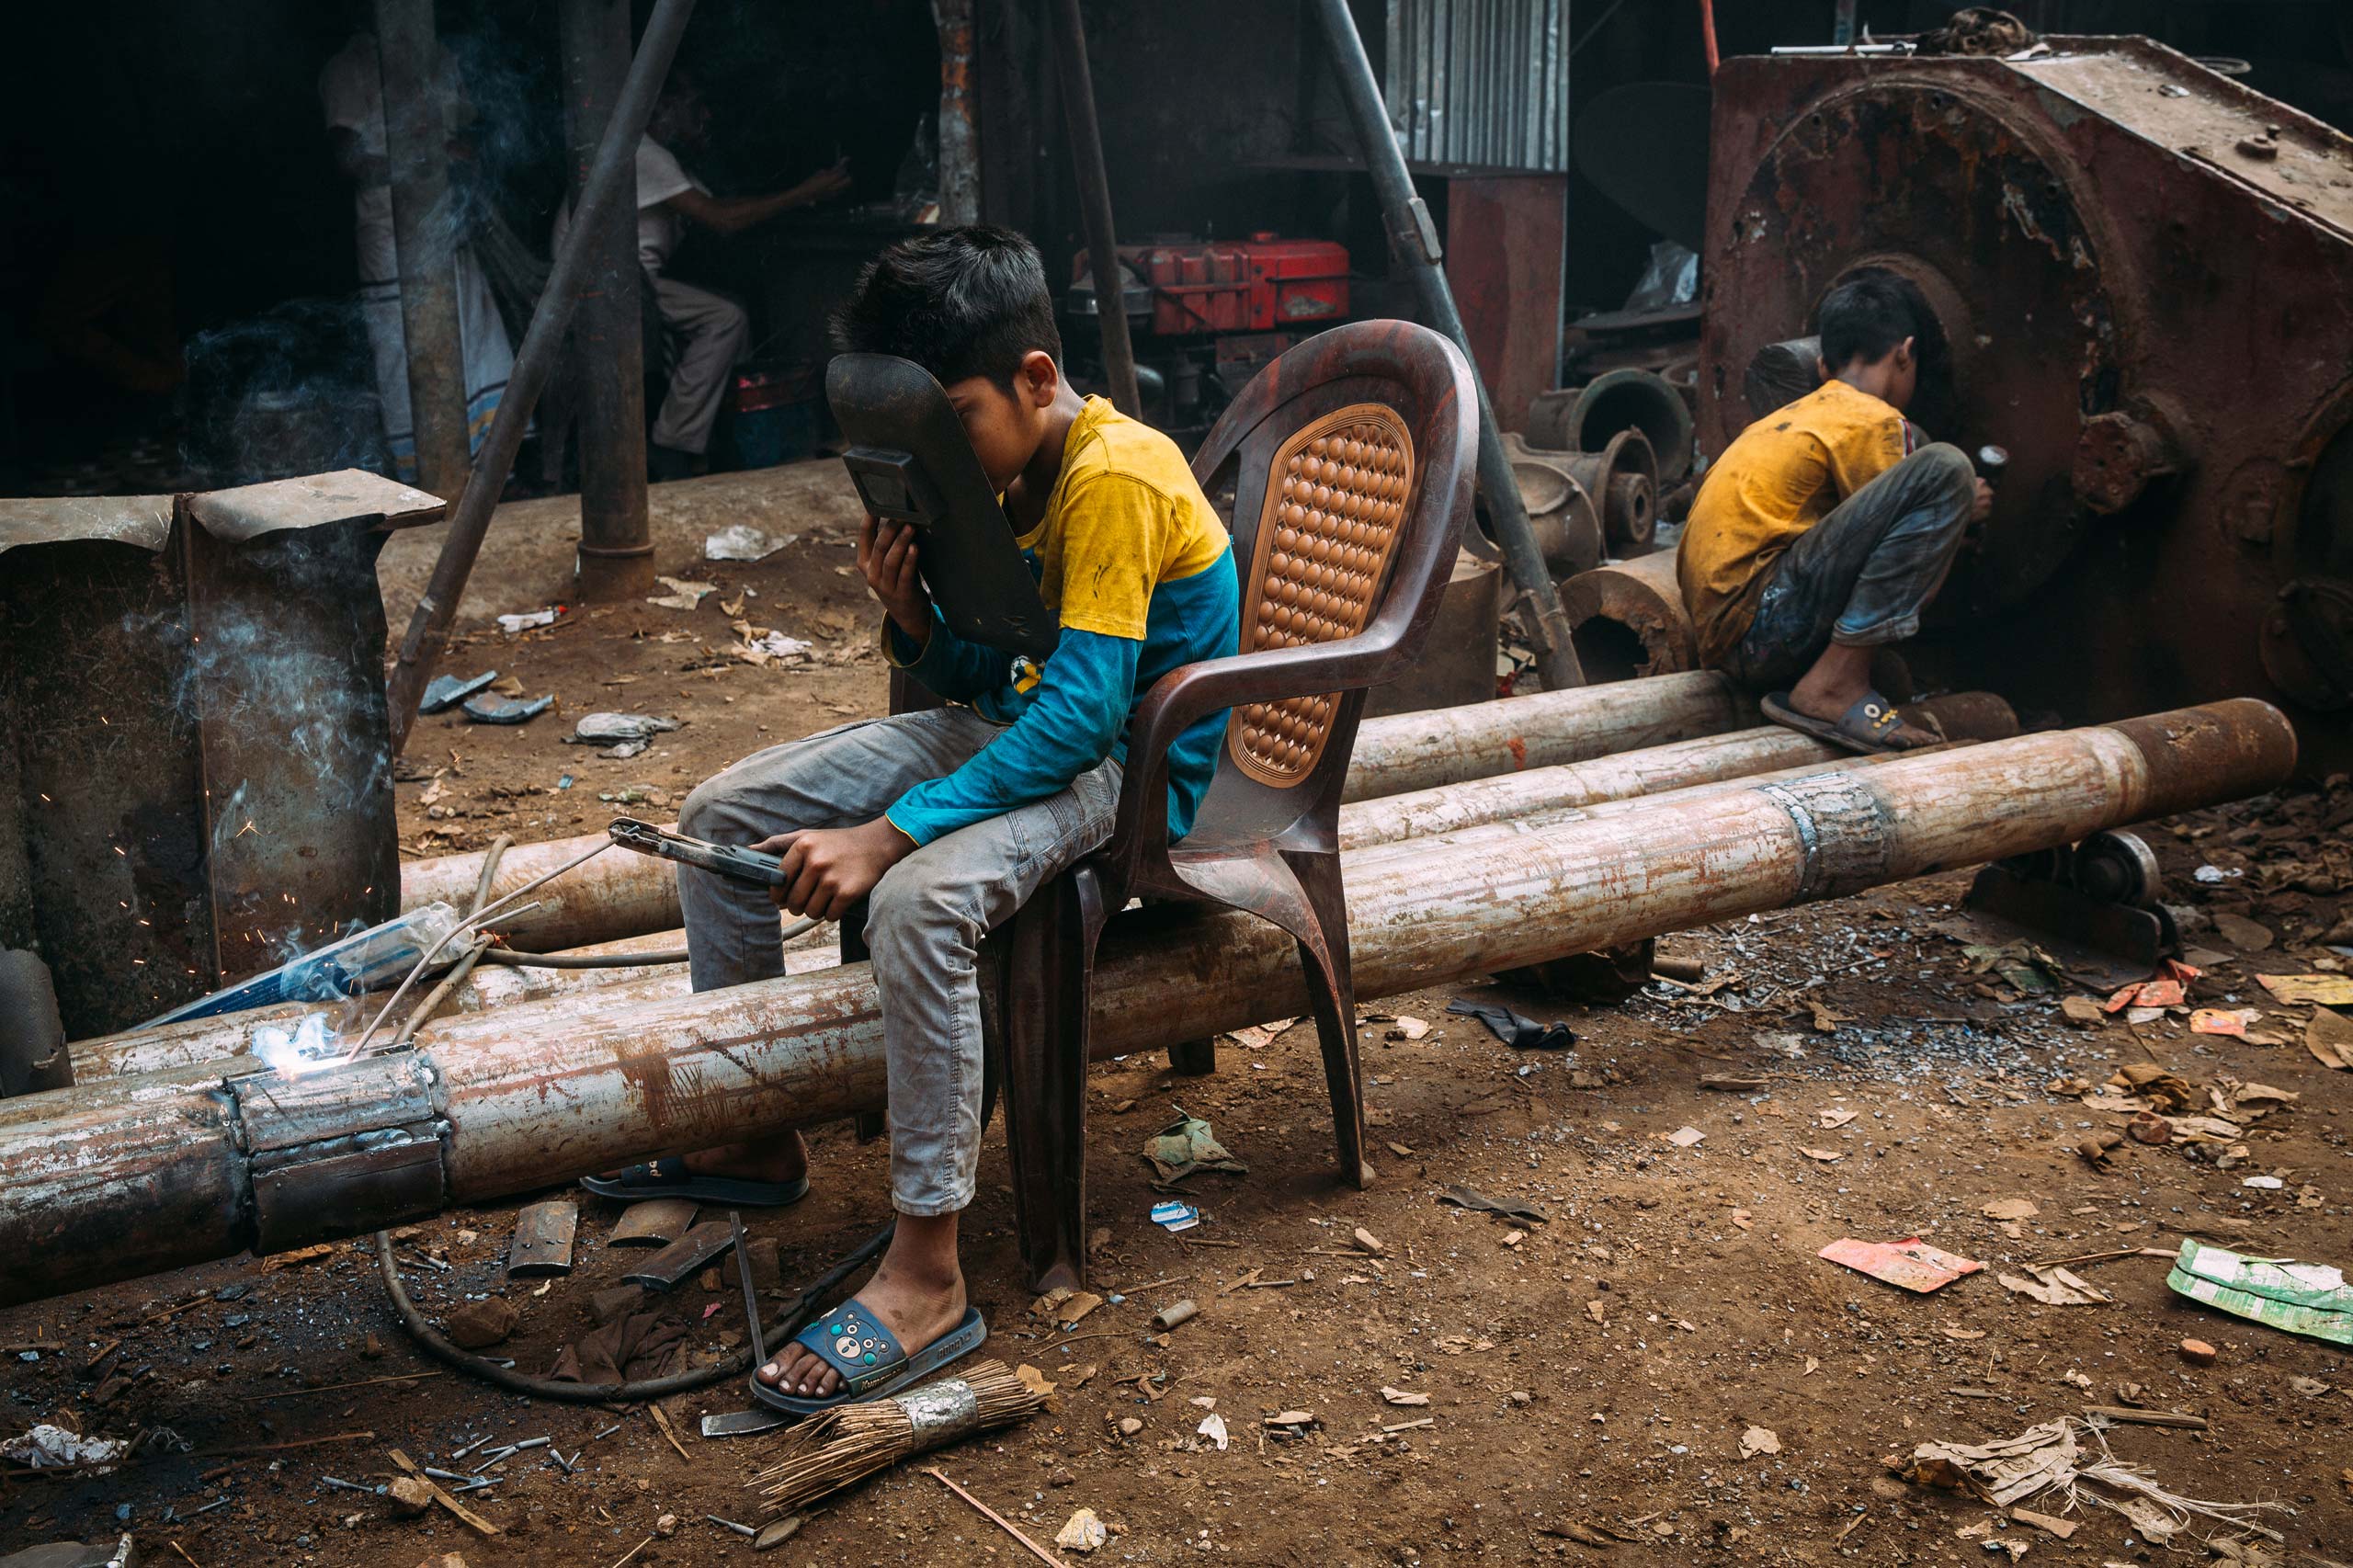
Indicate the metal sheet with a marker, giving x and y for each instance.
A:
(542, 1244)
(345, 496)
(673, 1263)
(654, 1223)
(1480, 82)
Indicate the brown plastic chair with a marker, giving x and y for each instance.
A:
(1351, 460)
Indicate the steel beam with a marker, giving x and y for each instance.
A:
(425, 238)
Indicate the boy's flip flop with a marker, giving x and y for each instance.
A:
(1866, 727)
(670, 1179)
(872, 1363)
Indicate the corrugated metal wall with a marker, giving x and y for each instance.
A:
(1481, 82)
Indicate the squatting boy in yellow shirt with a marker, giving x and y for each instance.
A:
(1826, 528)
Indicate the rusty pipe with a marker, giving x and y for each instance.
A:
(625, 895)
(167, 1169)
(1540, 796)
(1628, 620)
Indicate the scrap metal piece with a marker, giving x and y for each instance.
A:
(656, 1222)
(682, 1258)
(745, 1423)
(542, 1244)
(489, 710)
(445, 692)
(751, 1294)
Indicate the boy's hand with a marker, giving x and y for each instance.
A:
(1984, 506)
(826, 870)
(886, 554)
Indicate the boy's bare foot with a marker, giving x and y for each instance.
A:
(917, 1291)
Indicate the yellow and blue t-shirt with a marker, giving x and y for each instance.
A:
(1140, 573)
(1778, 478)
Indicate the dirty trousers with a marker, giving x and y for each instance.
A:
(712, 331)
(925, 917)
(1862, 576)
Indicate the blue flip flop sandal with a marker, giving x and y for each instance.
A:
(872, 1363)
(1866, 727)
(670, 1179)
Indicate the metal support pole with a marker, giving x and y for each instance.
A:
(1095, 204)
(1413, 240)
(609, 178)
(608, 345)
(408, 65)
(959, 138)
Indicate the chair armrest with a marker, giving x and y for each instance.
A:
(1189, 692)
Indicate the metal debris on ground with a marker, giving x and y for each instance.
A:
(486, 708)
(1173, 1216)
(445, 692)
(1461, 1196)
(622, 735)
(2308, 1299)
(528, 620)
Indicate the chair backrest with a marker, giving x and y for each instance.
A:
(1350, 460)
(1335, 500)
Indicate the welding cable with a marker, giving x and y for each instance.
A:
(441, 1349)
(468, 923)
(431, 1341)
(440, 993)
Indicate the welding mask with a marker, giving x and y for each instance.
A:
(912, 464)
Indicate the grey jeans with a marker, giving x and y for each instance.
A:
(925, 917)
(1862, 575)
(713, 331)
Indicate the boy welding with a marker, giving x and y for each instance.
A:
(947, 820)
(1826, 528)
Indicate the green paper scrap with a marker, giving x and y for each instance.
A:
(1187, 1145)
(2310, 1298)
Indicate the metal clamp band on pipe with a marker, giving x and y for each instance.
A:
(1843, 827)
(340, 1151)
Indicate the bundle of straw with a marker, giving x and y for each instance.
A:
(849, 1443)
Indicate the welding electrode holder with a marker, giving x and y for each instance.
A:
(725, 859)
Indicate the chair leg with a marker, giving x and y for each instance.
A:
(1193, 1058)
(1331, 990)
(1049, 977)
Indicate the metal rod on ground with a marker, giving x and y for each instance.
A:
(414, 89)
(1539, 797)
(1413, 240)
(613, 172)
(606, 357)
(625, 895)
(137, 1174)
(1095, 203)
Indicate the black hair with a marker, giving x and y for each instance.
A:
(960, 302)
(1869, 314)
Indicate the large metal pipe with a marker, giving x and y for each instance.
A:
(1541, 795)
(607, 350)
(413, 84)
(1413, 241)
(614, 170)
(1628, 618)
(625, 895)
(1095, 203)
(140, 1174)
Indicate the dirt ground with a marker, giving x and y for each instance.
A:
(1663, 1370)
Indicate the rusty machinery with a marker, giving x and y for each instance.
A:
(2143, 272)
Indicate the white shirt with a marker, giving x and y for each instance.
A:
(659, 177)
